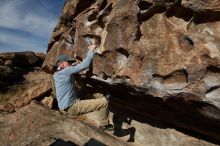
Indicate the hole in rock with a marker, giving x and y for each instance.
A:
(105, 12)
(92, 16)
(207, 16)
(147, 14)
(81, 6)
(143, 5)
(178, 73)
(123, 51)
(180, 12)
(103, 5)
(213, 69)
(101, 24)
(212, 89)
(188, 40)
(60, 142)
(138, 34)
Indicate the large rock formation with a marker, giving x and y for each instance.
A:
(35, 125)
(13, 65)
(22, 59)
(163, 56)
(21, 79)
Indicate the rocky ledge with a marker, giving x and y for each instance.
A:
(37, 125)
(13, 65)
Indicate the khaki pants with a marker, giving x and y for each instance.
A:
(91, 105)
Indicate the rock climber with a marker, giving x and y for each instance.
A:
(66, 93)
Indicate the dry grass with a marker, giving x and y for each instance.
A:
(12, 93)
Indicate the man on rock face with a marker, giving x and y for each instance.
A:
(66, 94)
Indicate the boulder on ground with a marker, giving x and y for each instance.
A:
(35, 125)
(38, 91)
(21, 59)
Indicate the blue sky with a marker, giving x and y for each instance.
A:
(27, 24)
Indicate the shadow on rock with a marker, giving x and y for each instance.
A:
(118, 121)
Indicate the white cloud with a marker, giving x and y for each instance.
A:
(21, 43)
(23, 16)
(14, 16)
(38, 25)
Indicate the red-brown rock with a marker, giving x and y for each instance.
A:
(38, 91)
(7, 108)
(169, 54)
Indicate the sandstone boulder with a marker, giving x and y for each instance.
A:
(15, 65)
(38, 91)
(36, 125)
(165, 58)
(200, 5)
(20, 59)
(8, 73)
(15, 93)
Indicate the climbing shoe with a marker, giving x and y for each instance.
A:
(108, 127)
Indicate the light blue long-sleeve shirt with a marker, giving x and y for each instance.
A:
(65, 82)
